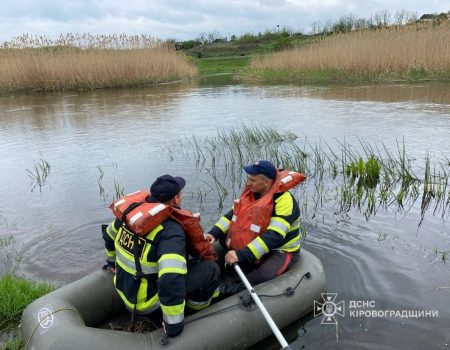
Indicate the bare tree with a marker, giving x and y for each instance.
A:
(213, 36)
(316, 27)
(203, 38)
(386, 15)
(400, 17)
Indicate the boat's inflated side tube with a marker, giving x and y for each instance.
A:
(65, 318)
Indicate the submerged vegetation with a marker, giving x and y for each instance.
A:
(419, 51)
(119, 190)
(39, 173)
(368, 179)
(89, 62)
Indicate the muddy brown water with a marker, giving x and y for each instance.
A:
(386, 262)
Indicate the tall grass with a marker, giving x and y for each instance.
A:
(85, 41)
(67, 67)
(410, 52)
(369, 179)
(39, 173)
(15, 295)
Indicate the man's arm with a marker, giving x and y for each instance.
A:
(221, 227)
(109, 235)
(171, 255)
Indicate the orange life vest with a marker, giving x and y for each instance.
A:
(251, 216)
(141, 217)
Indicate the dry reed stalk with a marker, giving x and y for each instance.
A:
(63, 68)
(84, 40)
(395, 49)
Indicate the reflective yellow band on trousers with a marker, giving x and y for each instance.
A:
(198, 305)
(142, 306)
(173, 314)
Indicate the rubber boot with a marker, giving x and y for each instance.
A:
(225, 290)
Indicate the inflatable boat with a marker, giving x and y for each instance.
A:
(72, 317)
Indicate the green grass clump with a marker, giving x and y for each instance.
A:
(13, 342)
(220, 65)
(368, 172)
(15, 295)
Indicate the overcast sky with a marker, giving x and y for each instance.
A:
(184, 19)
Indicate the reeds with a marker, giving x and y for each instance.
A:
(409, 52)
(368, 179)
(93, 65)
(118, 190)
(39, 173)
(85, 41)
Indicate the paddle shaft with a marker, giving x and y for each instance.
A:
(262, 308)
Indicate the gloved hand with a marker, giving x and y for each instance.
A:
(110, 267)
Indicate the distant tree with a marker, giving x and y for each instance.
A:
(212, 36)
(203, 38)
(190, 44)
(400, 17)
(382, 18)
(316, 27)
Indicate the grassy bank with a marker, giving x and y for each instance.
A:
(221, 65)
(15, 294)
(73, 68)
(400, 53)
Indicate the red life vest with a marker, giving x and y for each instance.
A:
(251, 216)
(141, 217)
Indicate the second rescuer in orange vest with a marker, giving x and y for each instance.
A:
(262, 229)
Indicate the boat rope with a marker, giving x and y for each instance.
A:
(245, 302)
(48, 315)
(289, 291)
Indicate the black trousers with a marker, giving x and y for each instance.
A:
(271, 265)
(202, 280)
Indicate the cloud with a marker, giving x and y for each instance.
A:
(183, 19)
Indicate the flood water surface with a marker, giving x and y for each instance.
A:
(99, 142)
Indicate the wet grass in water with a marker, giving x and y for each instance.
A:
(373, 177)
(39, 173)
(443, 254)
(101, 188)
(119, 190)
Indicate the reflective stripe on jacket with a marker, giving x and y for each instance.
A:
(162, 259)
(252, 215)
(282, 233)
